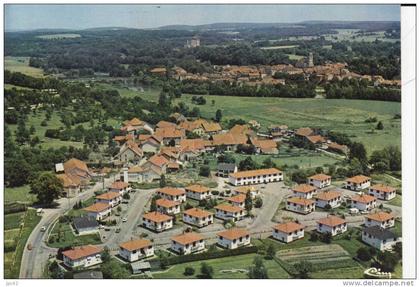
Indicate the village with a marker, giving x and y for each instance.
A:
(137, 224)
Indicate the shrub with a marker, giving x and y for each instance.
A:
(215, 192)
(314, 237)
(189, 271)
(363, 254)
(258, 202)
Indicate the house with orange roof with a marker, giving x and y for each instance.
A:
(77, 172)
(151, 144)
(288, 231)
(264, 146)
(135, 250)
(194, 127)
(317, 140)
(112, 198)
(358, 182)
(304, 132)
(157, 161)
(197, 217)
(300, 205)
(211, 128)
(99, 210)
(381, 219)
(319, 180)
(339, 148)
(229, 141)
(277, 131)
(187, 243)
(229, 212)
(233, 238)
(71, 184)
(82, 256)
(168, 206)
(157, 221)
(331, 224)
(304, 191)
(331, 198)
(172, 193)
(170, 135)
(237, 200)
(247, 189)
(134, 126)
(383, 192)
(120, 186)
(363, 202)
(241, 129)
(124, 138)
(256, 176)
(165, 124)
(197, 192)
(129, 152)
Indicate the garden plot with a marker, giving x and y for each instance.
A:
(322, 257)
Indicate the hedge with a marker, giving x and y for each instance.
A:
(14, 208)
(206, 255)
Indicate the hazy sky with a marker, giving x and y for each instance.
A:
(25, 17)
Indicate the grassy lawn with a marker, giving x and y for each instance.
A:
(21, 65)
(220, 264)
(13, 220)
(64, 236)
(21, 194)
(130, 92)
(13, 259)
(340, 273)
(397, 201)
(334, 114)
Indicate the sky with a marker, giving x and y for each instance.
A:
(29, 17)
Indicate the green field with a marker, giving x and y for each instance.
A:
(223, 268)
(59, 36)
(341, 115)
(130, 92)
(16, 238)
(279, 47)
(21, 64)
(295, 57)
(21, 194)
(65, 237)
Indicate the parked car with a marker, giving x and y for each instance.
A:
(43, 228)
(124, 219)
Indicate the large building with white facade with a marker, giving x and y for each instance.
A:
(257, 176)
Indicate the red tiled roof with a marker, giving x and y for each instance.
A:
(328, 195)
(196, 212)
(187, 238)
(383, 188)
(331, 221)
(136, 244)
(82, 251)
(364, 198)
(358, 179)
(320, 177)
(97, 207)
(171, 191)
(304, 188)
(288, 227)
(119, 185)
(197, 188)
(380, 216)
(228, 208)
(233, 233)
(156, 216)
(167, 203)
(108, 195)
(300, 201)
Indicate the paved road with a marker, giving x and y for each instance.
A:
(33, 261)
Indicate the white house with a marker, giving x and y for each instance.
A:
(332, 224)
(237, 200)
(168, 206)
(300, 205)
(134, 250)
(233, 238)
(255, 176)
(380, 238)
(224, 169)
(171, 193)
(197, 192)
(120, 186)
(85, 225)
(112, 198)
(246, 189)
(363, 202)
(229, 212)
(331, 198)
(382, 219)
(157, 221)
(197, 217)
(82, 256)
(304, 191)
(99, 210)
(319, 180)
(288, 232)
(383, 192)
(357, 182)
(187, 243)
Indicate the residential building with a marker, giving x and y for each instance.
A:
(383, 192)
(151, 144)
(85, 225)
(112, 198)
(237, 200)
(229, 141)
(170, 135)
(82, 256)
(363, 202)
(197, 217)
(172, 193)
(358, 182)
(120, 186)
(304, 191)
(157, 221)
(319, 180)
(300, 205)
(158, 162)
(229, 212)
(134, 250)
(187, 243)
(380, 238)
(247, 189)
(71, 184)
(129, 152)
(265, 146)
(224, 169)
(99, 210)
(332, 224)
(233, 238)
(168, 206)
(211, 128)
(332, 199)
(382, 219)
(197, 192)
(135, 125)
(257, 176)
(288, 232)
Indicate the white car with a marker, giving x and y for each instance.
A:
(124, 219)
(43, 228)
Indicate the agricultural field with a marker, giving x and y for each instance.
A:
(279, 47)
(223, 268)
(21, 65)
(59, 36)
(15, 239)
(333, 114)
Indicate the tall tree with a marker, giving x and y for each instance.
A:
(47, 187)
(258, 270)
(218, 115)
(303, 269)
